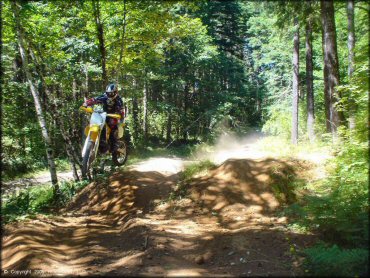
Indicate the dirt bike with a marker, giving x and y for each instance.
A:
(96, 144)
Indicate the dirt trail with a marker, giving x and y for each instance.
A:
(227, 225)
(10, 187)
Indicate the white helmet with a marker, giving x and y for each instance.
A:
(111, 91)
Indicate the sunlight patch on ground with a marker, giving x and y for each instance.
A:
(163, 165)
(184, 272)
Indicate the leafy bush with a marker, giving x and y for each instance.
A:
(342, 212)
(196, 168)
(279, 121)
(62, 164)
(28, 201)
(37, 199)
(41, 197)
(337, 262)
(18, 166)
(189, 172)
(338, 210)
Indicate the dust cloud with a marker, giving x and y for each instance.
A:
(227, 146)
(230, 146)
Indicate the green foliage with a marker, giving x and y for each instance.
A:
(17, 167)
(323, 260)
(285, 185)
(187, 174)
(23, 167)
(196, 168)
(68, 189)
(62, 164)
(27, 201)
(340, 207)
(279, 121)
(37, 199)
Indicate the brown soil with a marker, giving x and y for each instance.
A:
(227, 225)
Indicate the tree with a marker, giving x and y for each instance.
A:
(309, 81)
(40, 114)
(351, 59)
(331, 62)
(295, 83)
(123, 36)
(351, 36)
(100, 34)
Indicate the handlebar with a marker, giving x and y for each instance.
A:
(90, 110)
(86, 109)
(116, 116)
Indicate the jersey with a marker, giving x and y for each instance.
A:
(111, 105)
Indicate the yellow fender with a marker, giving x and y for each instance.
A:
(121, 129)
(93, 130)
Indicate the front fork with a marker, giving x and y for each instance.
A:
(93, 134)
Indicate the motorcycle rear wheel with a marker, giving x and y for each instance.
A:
(86, 159)
(119, 157)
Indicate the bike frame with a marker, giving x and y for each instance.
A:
(93, 131)
(95, 127)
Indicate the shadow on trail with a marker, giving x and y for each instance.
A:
(114, 228)
(239, 191)
(97, 217)
(125, 194)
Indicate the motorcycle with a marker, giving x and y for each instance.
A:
(97, 139)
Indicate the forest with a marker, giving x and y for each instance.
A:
(189, 71)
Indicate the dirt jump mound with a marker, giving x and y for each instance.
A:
(240, 190)
(134, 225)
(122, 194)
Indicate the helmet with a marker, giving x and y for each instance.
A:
(111, 90)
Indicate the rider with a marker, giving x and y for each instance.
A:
(112, 103)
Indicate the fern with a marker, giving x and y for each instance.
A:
(333, 261)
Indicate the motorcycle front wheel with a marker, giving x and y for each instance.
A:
(119, 157)
(86, 161)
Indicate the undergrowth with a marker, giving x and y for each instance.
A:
(338, 262)
(26, 167)
(337, 209)
(37, 199)
(189, 172)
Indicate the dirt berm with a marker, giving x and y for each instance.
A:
(226, 225)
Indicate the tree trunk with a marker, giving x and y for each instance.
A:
(295, 84)
(74, 90)
(74, 171)
(331, 61)
(100, 30)
(309, 83)
(72, 153)
(145, 110)
(169, 118)
(135, 113)
(258, 99)
(169, 125)
(185, 122)
(326, 90)
(351, 36)
(135, 116)
(351, 59)
(120, 69)
(35, 94)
